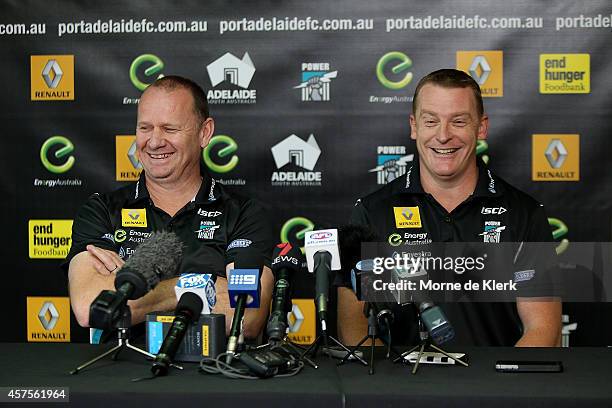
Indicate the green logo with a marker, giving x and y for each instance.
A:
(293, 223)
(481, 149)
(404, 63)
(157, 66)
(66, 149)
(120, 235)
(231, 147)
(560, 230)
(395, 239)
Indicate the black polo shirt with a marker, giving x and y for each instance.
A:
(212, 227)
(495, 212)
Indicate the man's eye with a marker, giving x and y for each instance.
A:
(144, 128)
(171, 130)
(459, 123)
(430, 122)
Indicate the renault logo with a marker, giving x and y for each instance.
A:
(295, 318)
(52, 65)
(556, 153)
(480, 69)
(407, 213)
(48, 315)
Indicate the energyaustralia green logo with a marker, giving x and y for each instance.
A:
(62, 153)
(299, 226)
(229, 146)
(157, 65)
(481, 150)
(401, 63)
(559, 232)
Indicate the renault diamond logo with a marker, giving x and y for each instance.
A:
(52, 65)
(480, 69)
(48, 315)
(556, 153)
(407, 213)
(134, 214)
(131, 154)
(295, 318)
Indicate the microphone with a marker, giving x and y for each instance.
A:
(202, 285)
(243, 288)
(286, 260)
(156, 258)
(438, 326)
(322, 257)
(187, 311)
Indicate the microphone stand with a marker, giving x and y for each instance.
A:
(373, 314)
(123, 339)
(425, 343)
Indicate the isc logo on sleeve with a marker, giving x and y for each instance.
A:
(133, 217)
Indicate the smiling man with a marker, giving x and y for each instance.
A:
(174, 193)
(450, 196)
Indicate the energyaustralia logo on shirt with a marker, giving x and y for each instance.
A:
(231, 77)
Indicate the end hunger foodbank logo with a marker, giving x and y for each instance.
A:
(565, 73)
(49, 239)
(235, 73)
(52, 77)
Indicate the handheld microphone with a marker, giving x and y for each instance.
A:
(156, 258)
(202, 285)
(322, 257)
(243, 287)
(286, 260)
(438, 326)
(187, 311)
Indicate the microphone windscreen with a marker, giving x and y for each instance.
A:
(191, 304)
(155, 259)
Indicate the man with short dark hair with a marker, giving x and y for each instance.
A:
(449, 188)
(174, 193)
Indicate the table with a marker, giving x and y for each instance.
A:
(586, 381)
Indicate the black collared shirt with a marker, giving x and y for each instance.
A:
(495, 212)
(213, 226)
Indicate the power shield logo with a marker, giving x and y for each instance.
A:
(391, 163)
(48, 319)
(565, 73)
(316, 78)
(487, 69)
(52, 77)
(555, 157)
(127, 163)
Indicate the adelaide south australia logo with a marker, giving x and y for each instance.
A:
(295, 152)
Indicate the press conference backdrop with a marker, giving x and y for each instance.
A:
(311, 102)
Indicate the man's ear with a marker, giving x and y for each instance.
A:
(483, 127)
(413, 127)
(206, 132)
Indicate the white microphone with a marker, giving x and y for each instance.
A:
(202, 285)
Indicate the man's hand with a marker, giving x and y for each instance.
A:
(104, 261)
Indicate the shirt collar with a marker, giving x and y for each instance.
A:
(486, 186)
(208, 192)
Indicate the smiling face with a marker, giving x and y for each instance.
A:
(446, 126)
(170, 135)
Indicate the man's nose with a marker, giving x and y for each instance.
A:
(444, 133)
(157, 138)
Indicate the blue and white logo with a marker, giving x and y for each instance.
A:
(244, 282)
(239, 243)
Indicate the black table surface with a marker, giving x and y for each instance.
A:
(585, 382)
